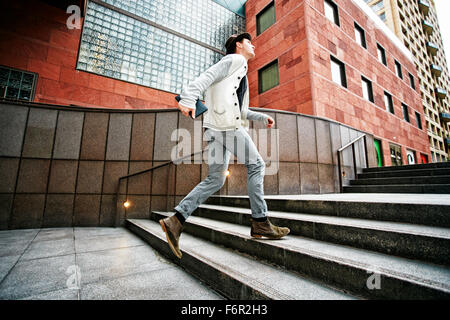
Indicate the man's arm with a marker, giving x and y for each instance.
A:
(196, 88)
(258, 116)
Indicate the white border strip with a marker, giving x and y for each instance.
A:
(383, 27)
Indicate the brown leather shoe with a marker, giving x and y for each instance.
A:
(268, 230)
(172, 228)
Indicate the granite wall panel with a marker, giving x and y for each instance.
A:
(12, 129)
(68, 135)
(39, 133)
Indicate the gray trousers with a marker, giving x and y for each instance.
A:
(221, 144)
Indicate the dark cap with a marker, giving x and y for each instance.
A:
(230, 45)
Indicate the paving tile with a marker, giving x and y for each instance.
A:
(164, 284)
(54, 234)
(109, 264)
(49, 248)
(105, 242)
(34, 277)
(64, 294)
(6, 264)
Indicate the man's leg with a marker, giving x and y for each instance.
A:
(218, 158)
(246, 152)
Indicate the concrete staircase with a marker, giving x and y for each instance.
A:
(339, 247)
(421, 178)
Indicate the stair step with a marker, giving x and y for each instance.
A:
(410, 167)
(430, 210)
(403, 180)
(406, 240)
(339, 266)
(233, 274)
(399, 188)
(405, 173)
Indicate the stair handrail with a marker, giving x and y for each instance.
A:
(339, 154)
(117, 218)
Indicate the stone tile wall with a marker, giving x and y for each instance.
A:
(60, 166)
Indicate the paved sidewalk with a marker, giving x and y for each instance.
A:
(88, 264)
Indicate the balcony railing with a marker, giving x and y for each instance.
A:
(445, 117)
(440, 93)
(424, 6)
(436, 70)
(428, 27)
(432, 48)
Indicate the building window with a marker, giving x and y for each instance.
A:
(331, 11)
(367, 89)
(396, 154)
(411, 81)
(147, 44)
(16, 84)
(405, 112)
(378, 152)
(265, 18)
(381, 54)
(418, 121)
(338, 72)
(388, 102)
(398, 69)
(268, 77)
(411, 155)
(360, 36)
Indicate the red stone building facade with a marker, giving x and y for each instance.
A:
(303, 40)
(34, 37)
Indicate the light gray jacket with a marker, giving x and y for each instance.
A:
(219, 84)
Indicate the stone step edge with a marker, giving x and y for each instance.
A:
(387, 238)
(388, 179)
(407, 173)
(402, 280)
(298, 217)
(195, 263)
(409, 167)
(372, 210)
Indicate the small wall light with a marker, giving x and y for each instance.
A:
(126, 204)
(227, 173)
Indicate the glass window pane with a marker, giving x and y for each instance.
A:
(266, 18)
(116, 45)
(331, 11)
(269, 77)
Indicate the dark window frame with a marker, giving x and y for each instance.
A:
(412, 83)
(405, 111)
(398, 69)
(342, 71)
(4, 89)
(383, 55)
(335, 12)
(264, 68)
(391, 102)
(419, 120)
(362, 34)
(369, 87)
(264, 10)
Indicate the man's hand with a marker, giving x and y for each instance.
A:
(186, 111)
(270, 122)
